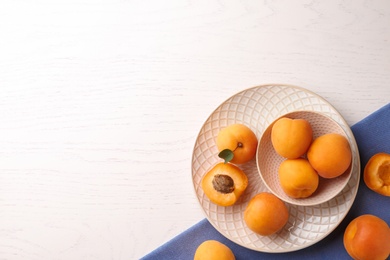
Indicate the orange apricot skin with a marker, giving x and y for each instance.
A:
(213, 250)
(367, 237)
(297, 178)
(266, 214)
(231, 136)
(330, 155)
(291, 137)
(377, 173)
(225, 199)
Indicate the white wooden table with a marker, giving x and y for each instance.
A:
(101, 103)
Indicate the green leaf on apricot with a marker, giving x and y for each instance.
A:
(226, 154)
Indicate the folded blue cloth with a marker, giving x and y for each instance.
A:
(372, 135)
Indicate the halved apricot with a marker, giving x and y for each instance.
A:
(224, 184)
(377, 173)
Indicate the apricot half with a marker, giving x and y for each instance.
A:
(291, 137)
(224, 184)
(330, 155)
(213, 250)
(297, 178)
(377, 173)
(266, 214)
(240, 140)
(367, 237)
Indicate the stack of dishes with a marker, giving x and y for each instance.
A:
(311, 219)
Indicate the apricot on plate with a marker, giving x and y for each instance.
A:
(377, 173)
(297, 178)
(224, 184)
(266, 214)
(213, 250)
(330, 155)
(291, 137)
(239, 140)
(367, 237)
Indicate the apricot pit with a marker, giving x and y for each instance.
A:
(223, 183)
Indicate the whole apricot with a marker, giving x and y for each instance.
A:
(213, 250)
(330, 155)
(291, 137)
(239, 140)
(224, 184)
(266, 214)
(367, 237)
(377, 173)
(297, 178)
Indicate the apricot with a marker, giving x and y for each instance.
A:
(266, 214)
(297, 178)
(224, 184)
(213, 250)
(239, 141)
(291, 137)
(367, 237)
(330, 155)
(377, 173)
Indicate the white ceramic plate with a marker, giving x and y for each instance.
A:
(258, 107)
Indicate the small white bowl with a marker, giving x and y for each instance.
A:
(268, 161)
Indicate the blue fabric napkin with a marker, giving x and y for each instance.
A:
(372, 135)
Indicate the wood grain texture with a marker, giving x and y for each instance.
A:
(101, 103)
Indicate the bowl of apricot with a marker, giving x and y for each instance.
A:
(304, 158)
